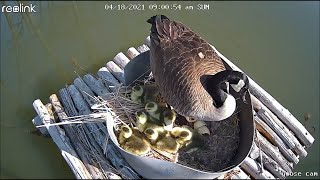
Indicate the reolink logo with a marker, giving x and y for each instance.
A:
(18, 9)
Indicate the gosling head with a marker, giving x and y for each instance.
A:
(169, 116)
(137, 90)
(151, 107)
(126, 131)
(151, 134)
(141, 117)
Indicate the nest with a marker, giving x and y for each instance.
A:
(218, 148)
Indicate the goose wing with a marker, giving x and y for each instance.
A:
(178, 58)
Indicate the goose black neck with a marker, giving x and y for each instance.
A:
(216, 84)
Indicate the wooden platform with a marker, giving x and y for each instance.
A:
(281, 140)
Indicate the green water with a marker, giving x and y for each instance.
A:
(275, 43)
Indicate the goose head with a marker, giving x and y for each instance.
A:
(136, 93)
(169, 116)
(141, 117)
(223, 103)
(151, 107)
(126, 131)
(151, 134)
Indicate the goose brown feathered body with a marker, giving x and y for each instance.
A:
(178, 58)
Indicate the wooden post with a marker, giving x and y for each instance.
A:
(270, 164)
(95, 171)
(273, 152)
(121, 60)
(86, 92)
(143, 48)
(37, 122)
(270, 134)
(63, 143)
(97, 86)
(116, 71)
(298, 147)
(113, 155)
(108, 79)
(253, 168)
(132, 52)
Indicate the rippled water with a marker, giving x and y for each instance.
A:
(275, 43)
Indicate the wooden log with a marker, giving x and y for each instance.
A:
(84, 109)
(254, 153)
(37, 122)
(108, 79)
(298, 148)
(236, 173)
(273, 152)
(121, 60)
(147, 41)
(284, 115)
(143, 48)
(116, 71)
(271, 165)
(68, 105)
(89, 97)
(268, 120)
(253, 168)
(96, 85)
(113, 155)
(95, 172)
(132, 53)
(86, 92)
(274, 138)
(63, 143)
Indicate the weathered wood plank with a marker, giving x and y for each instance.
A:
(108, 79)
(132, 53)
(236, 173)
(284, 114)
(113, 155)
(274, 138)
(86, 92)
(37, 122)
(253, 168)
(69, 129)
(62, 141)
(273, 152)
(268, 120)
(66, 100)
(147, 41)
(116, 71)
(298, 148)
(271, 165)
(143, 48)
(96, 85)
(121, 60)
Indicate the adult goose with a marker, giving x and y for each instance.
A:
(189, 73)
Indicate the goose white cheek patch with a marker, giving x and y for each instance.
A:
(237, 87)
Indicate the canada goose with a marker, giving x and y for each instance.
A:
(143, 124)
(131, 141)
(144, 94)
(189, 73)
